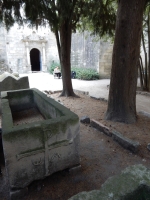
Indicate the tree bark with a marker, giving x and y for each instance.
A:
(145, 70)
(65, 53)
(148, 51)
(141, 72)
(126, 52)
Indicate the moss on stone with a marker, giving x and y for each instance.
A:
(23, 134)
(132, 184)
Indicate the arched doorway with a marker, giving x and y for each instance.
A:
(35, 59)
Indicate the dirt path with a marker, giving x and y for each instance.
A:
(101, 157)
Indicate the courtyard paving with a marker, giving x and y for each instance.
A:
(96, 88)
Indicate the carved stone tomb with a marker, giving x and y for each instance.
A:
(40, 136)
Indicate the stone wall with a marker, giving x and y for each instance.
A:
(19, 43)
(3, 55)
(86, 52)
(3, 51)
(105, 60)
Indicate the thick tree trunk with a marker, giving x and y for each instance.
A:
(149, 51)
(65, 53)
(126, 52)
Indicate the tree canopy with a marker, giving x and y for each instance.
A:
(101, 18)
(10, 12)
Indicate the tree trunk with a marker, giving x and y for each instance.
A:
(148, 51)
(145, 70)
(126, 52)
(141, 72)
(65, 53)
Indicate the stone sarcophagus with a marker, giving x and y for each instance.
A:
(40, 136)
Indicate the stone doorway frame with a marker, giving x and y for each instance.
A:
(39, 58)
(38, 42)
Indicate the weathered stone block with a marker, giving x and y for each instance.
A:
(10, 82)
(100, 127)
(85, 119)
(81, 92)
(36, 149)
(125, 142)
(132, 184)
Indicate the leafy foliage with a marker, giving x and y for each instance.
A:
(85, 74)
(101, 18)
(52, 66)
(10, 12)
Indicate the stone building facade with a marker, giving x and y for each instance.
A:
(85, 51)
(105, 59)
(24, 50)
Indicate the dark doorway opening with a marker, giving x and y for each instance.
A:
(35, 59)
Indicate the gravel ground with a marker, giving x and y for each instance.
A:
(101, 157)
